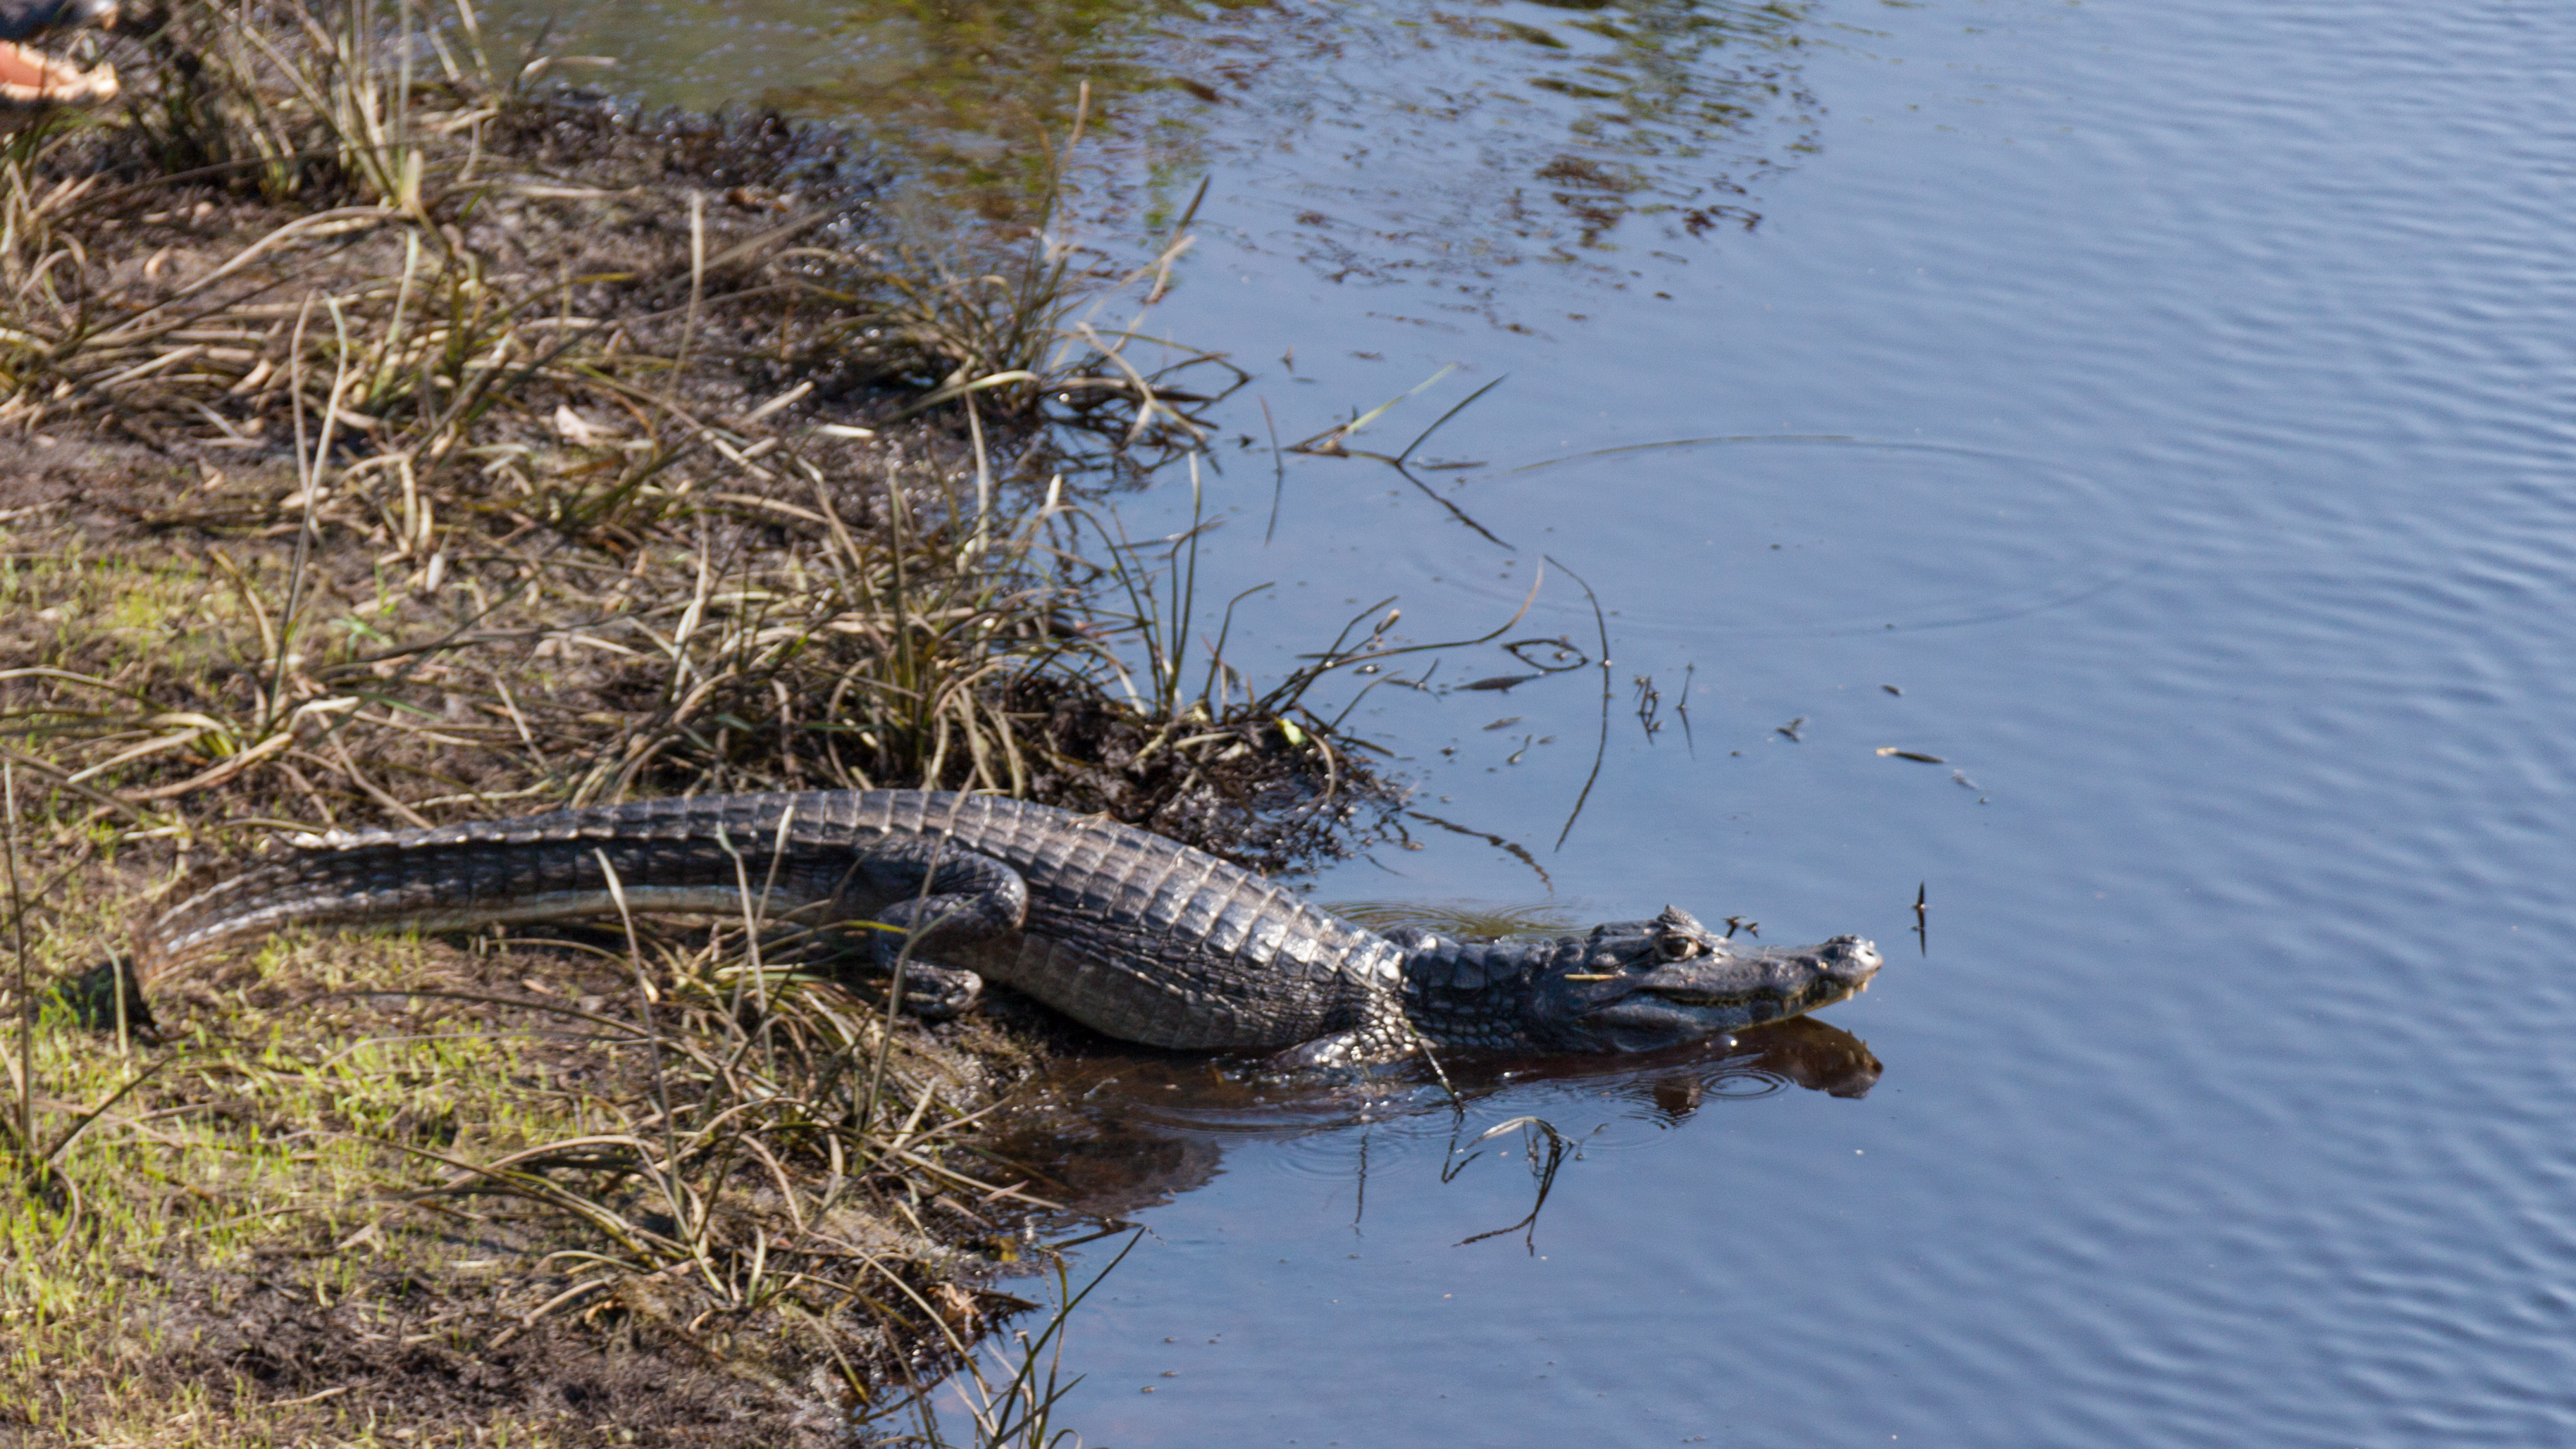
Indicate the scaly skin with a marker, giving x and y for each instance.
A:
(1136, 936)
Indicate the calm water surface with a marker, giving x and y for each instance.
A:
(2174, 401)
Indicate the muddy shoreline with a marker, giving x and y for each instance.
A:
(388, 438)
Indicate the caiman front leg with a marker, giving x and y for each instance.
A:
(1384, 1036)
(955, 899)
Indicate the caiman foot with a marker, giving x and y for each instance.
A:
(936, 993)
(91, 997)
(1362, 1048)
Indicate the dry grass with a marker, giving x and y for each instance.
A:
(360, 1174)
(465, 489)
(383, 443)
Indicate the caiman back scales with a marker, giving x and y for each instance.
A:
(1132, 934)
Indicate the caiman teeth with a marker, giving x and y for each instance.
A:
(29, 77)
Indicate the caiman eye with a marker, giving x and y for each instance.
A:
(1677, 948)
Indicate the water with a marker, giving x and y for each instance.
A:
(2172, 401)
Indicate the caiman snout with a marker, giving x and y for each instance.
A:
(1644, 985)
(1849, 959)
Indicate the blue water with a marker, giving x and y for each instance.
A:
(2173, 401)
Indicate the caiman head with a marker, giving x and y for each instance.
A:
(1633, 986)
(30, 77)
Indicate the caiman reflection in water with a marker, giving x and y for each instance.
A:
(1112, 1135)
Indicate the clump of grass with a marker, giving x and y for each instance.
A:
(1010, 1392)
(1020, 326)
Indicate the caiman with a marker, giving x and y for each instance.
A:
(1131, 934)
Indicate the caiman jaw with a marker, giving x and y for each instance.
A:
(1647, 985)
(1776, 983)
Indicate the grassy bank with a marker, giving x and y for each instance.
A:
(387, 439)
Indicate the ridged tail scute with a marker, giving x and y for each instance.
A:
(668, 855)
